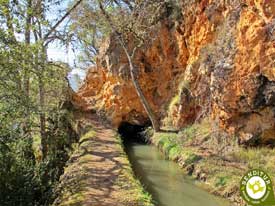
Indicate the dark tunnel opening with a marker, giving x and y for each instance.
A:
(132, 133)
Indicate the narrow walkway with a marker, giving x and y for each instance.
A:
(98, 172)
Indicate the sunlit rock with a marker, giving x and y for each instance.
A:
(217, 61)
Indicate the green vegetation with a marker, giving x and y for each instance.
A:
(212, 157)
(70, 190)
(35, 125)
(174, 152)
(37, 129)
(183, 88)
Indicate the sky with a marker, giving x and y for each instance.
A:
(61, 53)
(55, 51)
(58, 53)
(76, 78)
(77, 75)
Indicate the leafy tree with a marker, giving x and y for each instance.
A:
(34, 134)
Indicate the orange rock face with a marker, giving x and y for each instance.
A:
(108, 86)
(218, 60)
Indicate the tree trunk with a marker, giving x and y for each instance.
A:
(42, 116)
(41, 61)
(41, 57)
(26, 75)
(143, 100)
(27, 42)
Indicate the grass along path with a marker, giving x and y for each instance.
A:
(99, 172)
(213, 158)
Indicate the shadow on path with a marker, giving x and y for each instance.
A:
(95, 172)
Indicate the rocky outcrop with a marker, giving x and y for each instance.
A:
(108, 86)
(215, 59)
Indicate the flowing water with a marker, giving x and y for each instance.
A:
(164, 179)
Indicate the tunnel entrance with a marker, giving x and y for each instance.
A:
(132, 133)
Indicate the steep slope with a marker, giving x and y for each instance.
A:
(215, 58)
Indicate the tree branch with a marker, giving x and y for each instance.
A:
(61, 20)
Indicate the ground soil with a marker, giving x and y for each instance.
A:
(98, 173)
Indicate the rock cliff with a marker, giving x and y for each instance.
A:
(216, 58)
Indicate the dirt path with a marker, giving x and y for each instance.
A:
(98, 172)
